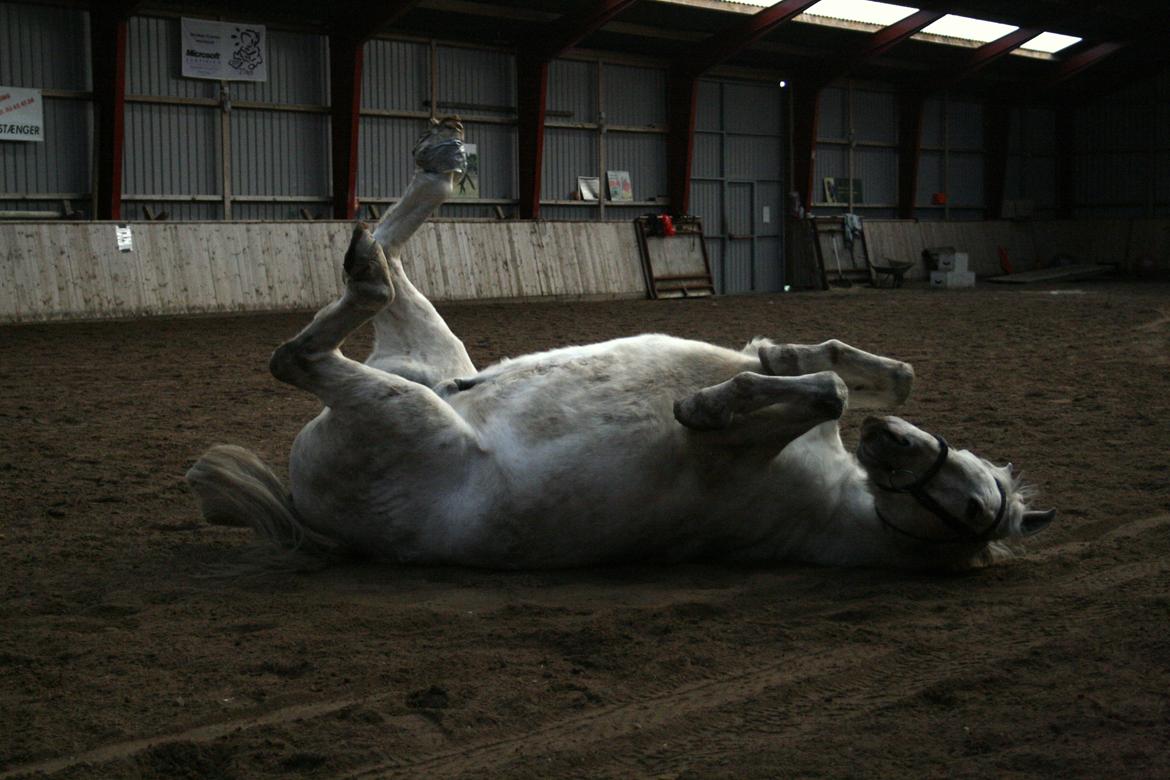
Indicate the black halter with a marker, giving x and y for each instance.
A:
(917, 489)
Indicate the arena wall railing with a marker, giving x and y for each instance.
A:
(76, 270)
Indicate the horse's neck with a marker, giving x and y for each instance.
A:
(835, 506)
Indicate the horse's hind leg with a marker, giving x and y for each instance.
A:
(411, 339)
(757, 410)
(381, 403)
(873, 380)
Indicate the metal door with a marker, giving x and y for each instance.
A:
(739, 231)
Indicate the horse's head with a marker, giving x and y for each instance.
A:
(926, 491)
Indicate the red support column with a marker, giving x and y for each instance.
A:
(806, 105)
(682, 96)
(910, 108)
(345, 84)
(1066, 174)
(531, 99)
(997, 125)
(108, 29)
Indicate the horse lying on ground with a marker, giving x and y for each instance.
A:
(643, 448)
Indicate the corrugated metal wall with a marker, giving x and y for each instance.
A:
(396, 78)
(572, 91)
(280, 154)
(603, 117)
(1121, 166)
(857, 138)
(1031, 177)
(737, 182)
(481, 84)
(951, 161)
(173, 160)
(277, 131)
(46, 47)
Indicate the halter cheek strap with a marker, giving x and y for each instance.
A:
(917, 489)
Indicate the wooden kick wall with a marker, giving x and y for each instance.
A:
(1138, 245)
(74, 270)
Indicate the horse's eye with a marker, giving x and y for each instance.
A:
(974, 508)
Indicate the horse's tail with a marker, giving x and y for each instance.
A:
(236, 488)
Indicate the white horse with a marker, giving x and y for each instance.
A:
(643, 448)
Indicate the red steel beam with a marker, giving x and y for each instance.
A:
(997, 124)
(1079, 63)
(682, 97)
(347, 37)
(910, 109)
(346, 57)
(571, 29)
(724, 45)
(532, 102)
(532, 91)
(983, 56)
(876, 45)
(108, 29)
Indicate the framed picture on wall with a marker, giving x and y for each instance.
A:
(588, 187)
(620, 186)
(467, 185)
(838, 191)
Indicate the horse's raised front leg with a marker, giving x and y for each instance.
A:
(874, 381)
(411, 339)
(756, 410)
(380, 403)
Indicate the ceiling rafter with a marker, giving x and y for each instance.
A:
(980, 58)
(363, 20)
(1082, 61)
(569, 30)
(724, 45)
(874, 45)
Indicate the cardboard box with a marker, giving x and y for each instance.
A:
(953, 261)
(950, 280)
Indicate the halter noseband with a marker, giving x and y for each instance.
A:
(917, 489)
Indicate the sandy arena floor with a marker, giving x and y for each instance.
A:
(120, 657)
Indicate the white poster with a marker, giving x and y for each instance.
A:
(22, 116)
(224, 50)
(467, 185)
(125, 238)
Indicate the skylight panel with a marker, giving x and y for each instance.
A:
(955, 26)
(865, 11)
(1051, 43)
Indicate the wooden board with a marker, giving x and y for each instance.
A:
(837, 260)
(74, 270)
(1068, 273)
(1148, 249)
(675, 266)
(802, 264)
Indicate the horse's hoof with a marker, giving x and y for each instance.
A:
(440, 149)
(366, 270)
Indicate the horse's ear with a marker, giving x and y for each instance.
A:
(1036, 520)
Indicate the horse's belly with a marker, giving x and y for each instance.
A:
(653, 503)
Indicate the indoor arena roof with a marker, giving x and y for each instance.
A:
(1119, 42)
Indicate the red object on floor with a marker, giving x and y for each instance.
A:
(1005, 262)
(666, 222)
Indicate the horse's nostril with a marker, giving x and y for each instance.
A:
(895, 439)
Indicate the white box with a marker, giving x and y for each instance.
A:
(956, 261)
(950, 280)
